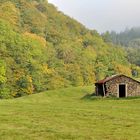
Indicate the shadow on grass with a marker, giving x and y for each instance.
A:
(94, 97)
(128, 98)
(91, 97)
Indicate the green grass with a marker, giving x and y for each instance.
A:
(64, 115)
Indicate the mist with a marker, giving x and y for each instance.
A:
(102, 15)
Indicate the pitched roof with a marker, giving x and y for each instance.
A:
(113, 77)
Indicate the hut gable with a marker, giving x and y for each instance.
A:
(119, 86)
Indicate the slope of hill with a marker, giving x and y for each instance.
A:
(130, 40)
(127, 38)
(62, 114)
(41, 49)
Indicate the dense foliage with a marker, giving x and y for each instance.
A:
(130, 40)
(127, 38)
(42, 49)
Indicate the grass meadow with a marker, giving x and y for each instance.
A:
(65, 115)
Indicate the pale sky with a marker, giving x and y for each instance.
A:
(102, 15)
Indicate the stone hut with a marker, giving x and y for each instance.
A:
(118, 86)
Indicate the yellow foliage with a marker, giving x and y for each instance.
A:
(122, 69)
(30, 88)
(47, 70)
(91, 75)
(9, 12)
(90, 53)
(74, 71)
(56, 82)
(19, 74)
(29, 79)
(41, 40)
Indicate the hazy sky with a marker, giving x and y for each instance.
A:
(102, 15)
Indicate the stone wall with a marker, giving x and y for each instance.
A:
(112, 86)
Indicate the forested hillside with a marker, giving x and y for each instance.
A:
(127, 38)
(42, 49)
(130, 40)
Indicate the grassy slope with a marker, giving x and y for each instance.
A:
(62, 114)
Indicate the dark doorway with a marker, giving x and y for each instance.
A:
(99, 90)
(122, 90)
